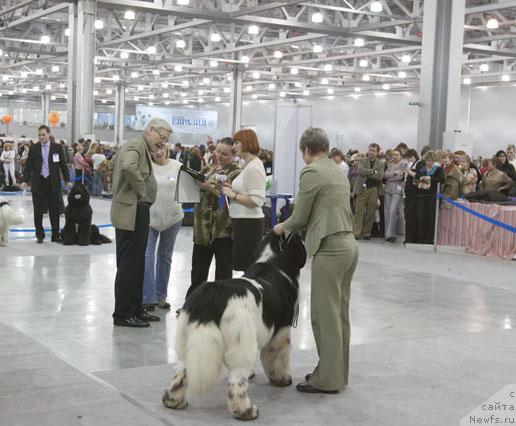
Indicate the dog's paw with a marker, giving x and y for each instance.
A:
(173, 403)
(250, 414)
(281, 383)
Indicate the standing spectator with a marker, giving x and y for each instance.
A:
(394, 177)
(44, 167)
(454, 180)
(194, 159)
(470, 171)
(179, 154)
(495, 179)
(505, 166)
(23, 157)
(98, 178)
(7, 158)
(338, 157)
(411, 193)
(134, 191)
(511, 154)
(367, 186)
(166, 215)
(429, 176)
(247, 195)
(79, 163)
(329, 239)
(212, 224)
(210, 157)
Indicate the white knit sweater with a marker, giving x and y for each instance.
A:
(165, 211)
(250, 182)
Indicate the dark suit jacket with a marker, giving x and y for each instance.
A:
(32, 169)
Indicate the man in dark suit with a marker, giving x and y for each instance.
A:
(179, 154)
(45, 164)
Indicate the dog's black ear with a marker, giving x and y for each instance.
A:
(295, 250)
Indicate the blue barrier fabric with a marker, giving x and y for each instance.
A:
(495, 222)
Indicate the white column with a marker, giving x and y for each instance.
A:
(71, 112)
(119, 113)
(441, 60)
(45, 106)
(85, 65)
(235, 107)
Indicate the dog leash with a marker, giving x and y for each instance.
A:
(296, 315)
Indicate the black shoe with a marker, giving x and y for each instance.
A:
(149, 307)
(144, 316)
(39, 240)
(57, 239)
(308, 388)
(130, 322)
(163, 304)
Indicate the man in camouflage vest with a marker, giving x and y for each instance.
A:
(212, 224)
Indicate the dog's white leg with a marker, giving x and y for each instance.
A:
(175, 395)
(275, 358)
(239, 404)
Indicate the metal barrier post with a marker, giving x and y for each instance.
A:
(437, 204)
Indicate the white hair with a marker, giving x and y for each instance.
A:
(158, 123)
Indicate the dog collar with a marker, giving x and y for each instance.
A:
(4, 203)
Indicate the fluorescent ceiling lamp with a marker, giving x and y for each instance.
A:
(217, 98)
(366, 77)
(484, 67)
(249, 88)
(167, 102)
(306, 92)
(136, 98)
(492, 24)
(95, 93)
(363, 63)
(376, 6)
(99, 24)
(330, 91)
(164, 85)
(256, 74)
(5, 78)
(214, 64)
(124, 55)
(109, 92)
(185, 101)
(328, 68)
(151, 50)
(253, 29)
(317, 17)
(67, 32)
(150, 103)
(104, 101)
(324, 81)
(359, 42)
(62, 86)
(244, 59)
(385, 86)
(178, 68)
(183, 94)
(255, 96)
(206, 80)
(129, 15)
(271, 86)
(39, 71)
(45, 39)
(183, 2)
(215, 37)
(278, 54)
(294, 71)
(406, 59)
(185, 83)
(116, 77)
(402, 74)
(151, 96)
(180, 44)
(506, 77)
(201, 100)
(97, 80)
(134, 74)
(166, 95)
(282, 94)
(358, 89)
(35, 88)
(227, 90)
(317, 48)
(24, 74)
(155, 72)
(53, 97)
(24, 90)
(140, 88)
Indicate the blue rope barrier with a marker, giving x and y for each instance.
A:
(495, 222)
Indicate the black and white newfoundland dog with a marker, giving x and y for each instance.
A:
(229, 321)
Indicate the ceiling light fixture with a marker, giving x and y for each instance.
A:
(206, 81)
(227, 90)
(215, 37)
(256, 75)
(506, 77)
(183, 2)
(363, 63)
(178, 68)
(282, 94)
(402, 74)
(386, 86)
(155, 72)
(244, 59)
(406, 59)
(249, 88)
(324, 81)
(317, 17)
(45, 39)
(124, 55)
(278, 54)
(484, 67)
(467, 81)
(109, 92)
(214, 64)
(253, 30)
(330, 91)
(306, 92)
(180, 44)
(294, 71)
(492, 24)
(129, 15)
(134, 74)
(366, 77)
(317, 48)
(67, 32)
(24, 74)
(328, 68)
(151, 50)
(99, 24)
(271, 86)
(359, 42)
(358, 89)
(217, 99)
(376, 6)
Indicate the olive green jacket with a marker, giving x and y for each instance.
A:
(322, 204)
(365, 172)
(132, 176)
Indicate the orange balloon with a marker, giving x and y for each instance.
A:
(6, 119)
(53, 118)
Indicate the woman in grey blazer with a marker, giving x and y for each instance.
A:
(394, 183)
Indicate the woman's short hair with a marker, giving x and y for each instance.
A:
(315, 140)
(430, 156)
(335, 152)
(224, 141)
(249, 141)
(7, 145)
(98, 149)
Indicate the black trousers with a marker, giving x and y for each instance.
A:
(222, 249)
(130, 263)
(426, 218)
(45, 198)
(247, 235)
(411, 219)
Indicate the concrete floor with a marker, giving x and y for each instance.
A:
(432, 338)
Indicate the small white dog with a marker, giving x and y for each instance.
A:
(8, 218)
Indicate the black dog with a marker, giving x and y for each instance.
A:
(78, 213)
(234, 321)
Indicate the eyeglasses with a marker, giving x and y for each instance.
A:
(163, 137)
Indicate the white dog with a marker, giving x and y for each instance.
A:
(8, 218)
(231, 321)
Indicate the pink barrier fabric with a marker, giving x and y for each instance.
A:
(458, 228)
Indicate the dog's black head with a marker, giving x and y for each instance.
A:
(79, 195)
(287, 254)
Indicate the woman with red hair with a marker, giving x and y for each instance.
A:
(247, 196)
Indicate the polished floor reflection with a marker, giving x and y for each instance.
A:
(432, 338)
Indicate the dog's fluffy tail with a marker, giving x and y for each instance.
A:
(201, 348)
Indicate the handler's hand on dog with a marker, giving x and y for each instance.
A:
(279, 229)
